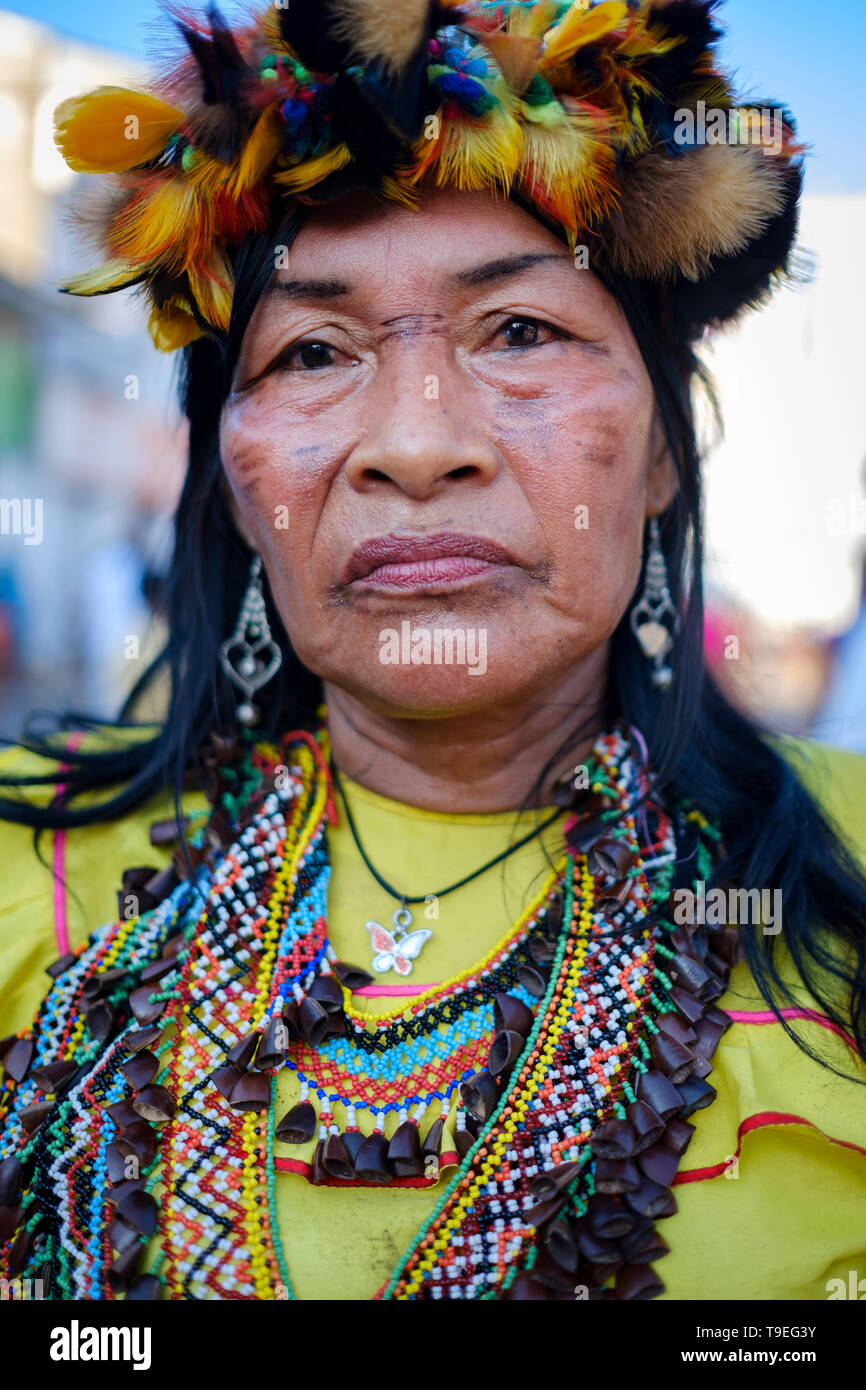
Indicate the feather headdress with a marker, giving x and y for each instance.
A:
(609, 119)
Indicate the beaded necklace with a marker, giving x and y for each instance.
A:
(596, 1017)
(405, 1060)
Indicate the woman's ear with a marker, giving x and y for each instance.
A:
(661, 482)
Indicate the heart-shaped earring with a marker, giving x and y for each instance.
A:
(250, 657)
(654, 638)
(654, 610)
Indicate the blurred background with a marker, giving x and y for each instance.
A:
(92, 446)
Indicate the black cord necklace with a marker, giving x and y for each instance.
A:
(396, 950)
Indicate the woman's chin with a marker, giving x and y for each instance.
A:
(421, 693)
(432, 670)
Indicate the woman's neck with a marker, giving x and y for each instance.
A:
(487, 760)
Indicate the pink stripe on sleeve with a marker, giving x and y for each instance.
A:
(767, 1016)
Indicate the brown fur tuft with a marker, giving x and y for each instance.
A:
(383, 31)
(678, 213)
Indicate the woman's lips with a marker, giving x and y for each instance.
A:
(424, 573)
(404, 563)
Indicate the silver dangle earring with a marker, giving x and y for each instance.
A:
(250, 657)
(655, 621)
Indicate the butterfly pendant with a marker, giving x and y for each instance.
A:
(396, 950)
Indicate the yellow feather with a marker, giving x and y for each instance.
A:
(531, 20)
(579, 27)
(113, 275)
(399, 191)
(551, 114)
(477, 156)
(269, 24)
(259, 152)
(646, 38)
(113, 129)
(212, 286)
(172, 325)
(169, 225)
(305, 175)
(475, 153)
(208, 173)
(568, 166)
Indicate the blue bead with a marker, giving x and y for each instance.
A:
(452, 83)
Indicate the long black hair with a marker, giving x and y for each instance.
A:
(775, 834)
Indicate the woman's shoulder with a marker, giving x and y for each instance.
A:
(786, 1132)
(58, 887)
(773, 1097)
(836, 779)
(776, 1166)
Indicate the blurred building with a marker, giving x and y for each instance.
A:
(90, 439)
(785, 501)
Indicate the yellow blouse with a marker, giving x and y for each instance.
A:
(772, 1189)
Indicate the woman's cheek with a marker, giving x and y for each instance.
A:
(589, 500)
(250, 456)
(592, 478)
(276, 488)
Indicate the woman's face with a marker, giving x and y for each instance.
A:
(439, 425)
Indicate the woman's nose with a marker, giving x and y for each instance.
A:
(420, 436)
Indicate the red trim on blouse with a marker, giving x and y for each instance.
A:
(296, 1165)
(758, 1121)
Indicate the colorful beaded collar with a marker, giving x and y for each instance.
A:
(574, 1129)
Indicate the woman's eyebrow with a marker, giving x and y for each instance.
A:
(309, 289)
(485, 273)
(504, 266)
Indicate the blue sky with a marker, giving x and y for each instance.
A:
(810, 56)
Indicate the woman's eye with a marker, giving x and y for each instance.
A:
(307, 356)
(524, 332)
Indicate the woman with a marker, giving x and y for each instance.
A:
(425, 1003)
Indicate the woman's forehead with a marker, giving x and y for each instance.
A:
(445, 226)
